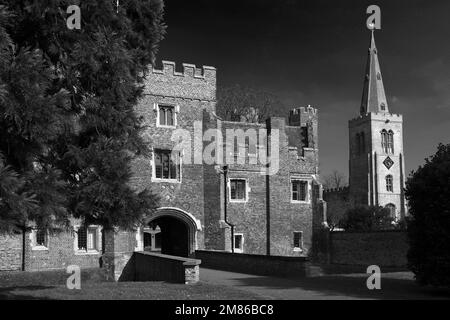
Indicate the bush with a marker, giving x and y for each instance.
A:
(428, 194)
(367, 218)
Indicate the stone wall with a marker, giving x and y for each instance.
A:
(384, 248)
(161, 267)
(254, 264)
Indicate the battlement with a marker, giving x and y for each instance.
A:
(337, 190)
(192, 83)
(189, 70)
(308, 109)
(377, 116)
(299, 116)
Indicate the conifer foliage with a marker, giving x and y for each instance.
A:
(67, 97)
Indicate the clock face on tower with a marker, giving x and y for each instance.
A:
(388, 163)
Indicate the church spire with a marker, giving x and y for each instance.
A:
(374, 97)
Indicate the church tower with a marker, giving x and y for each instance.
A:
(377, 171)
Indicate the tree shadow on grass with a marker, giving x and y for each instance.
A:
(14, 293)
(348, 286)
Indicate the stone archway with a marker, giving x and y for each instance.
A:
(178, 230)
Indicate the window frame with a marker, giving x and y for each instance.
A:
(98, 240)
(389, 179)
(174, 107)
(241, 249)
(300, 247)
(307, 191)
(177, 166)
(246, 190)
(33, 239)
(387, 141)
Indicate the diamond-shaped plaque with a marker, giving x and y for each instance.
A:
(388, 162)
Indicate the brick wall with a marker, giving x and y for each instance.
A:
(59, 253)
(10, 251)
(253, 264)
(160, 267)
(384, 248)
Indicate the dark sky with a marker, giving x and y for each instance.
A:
(314, 52)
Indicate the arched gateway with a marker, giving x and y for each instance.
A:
(178, 230)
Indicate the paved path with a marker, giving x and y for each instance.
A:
(399, 285)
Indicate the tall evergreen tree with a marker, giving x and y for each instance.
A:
(100, 68)
(31, 119)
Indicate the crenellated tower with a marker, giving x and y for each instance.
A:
(376, 166)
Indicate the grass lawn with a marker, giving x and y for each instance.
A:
(51, 285)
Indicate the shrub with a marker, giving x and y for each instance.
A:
(428, 194)
(367, 218)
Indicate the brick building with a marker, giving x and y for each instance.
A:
(256, 193)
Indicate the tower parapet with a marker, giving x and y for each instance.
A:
(300, 116)
(192, 83)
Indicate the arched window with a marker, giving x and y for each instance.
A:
(390, 142)
(358, 145)
(384, 140)
(389, 183)
(363, 142)
(392, 209)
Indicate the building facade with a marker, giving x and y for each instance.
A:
(229, 186)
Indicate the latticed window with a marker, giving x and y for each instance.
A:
(238, 243)
(390, 142)
(298, 239)
(389, 184)
(387, 141)
(238, 189)
(305, 137)
(88, 238)
(392, 209)
(299, 190)
(362, 142)
(41, 237)
(167, 165)
(166, 115)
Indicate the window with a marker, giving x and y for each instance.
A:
(387, 141)
(304, 137)
(358, 144)
(39, 239)
(238, 190)
(88, 238)
(384, 141)
(390, 142)
(362, 142)
(238, 243)
(389, 184)
(392, 209)
(299, 190)
(167, 165)
(298, 240)
(166, 115)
